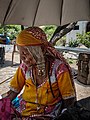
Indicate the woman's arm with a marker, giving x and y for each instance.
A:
(66, 90)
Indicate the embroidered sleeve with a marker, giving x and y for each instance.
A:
(65, 85)
(18, 81)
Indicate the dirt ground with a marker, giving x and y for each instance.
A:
(7, 72)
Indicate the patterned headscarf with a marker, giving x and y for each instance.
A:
(31, 36)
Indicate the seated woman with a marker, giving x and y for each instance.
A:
(44, 74)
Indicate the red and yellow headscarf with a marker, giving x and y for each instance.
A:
(31, 36)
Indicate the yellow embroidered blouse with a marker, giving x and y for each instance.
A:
(36, 99)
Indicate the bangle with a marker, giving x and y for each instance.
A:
(63, 110)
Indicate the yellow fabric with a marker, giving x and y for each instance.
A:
(65, 86)
(18, 81)
(44, 92)
(26, 39)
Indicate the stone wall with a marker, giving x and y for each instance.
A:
(84, 68)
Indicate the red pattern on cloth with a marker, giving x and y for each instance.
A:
(37, 33)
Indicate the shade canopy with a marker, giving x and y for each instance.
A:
(43, 12)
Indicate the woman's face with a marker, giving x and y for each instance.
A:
(26, 56)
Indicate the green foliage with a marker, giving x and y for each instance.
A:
(73, 43)
(13, 30)
(49, 30)
(10, 30)
(81, 38)
(84, 39)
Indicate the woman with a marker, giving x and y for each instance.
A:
(44, 76)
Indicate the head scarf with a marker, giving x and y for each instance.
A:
(31, 36)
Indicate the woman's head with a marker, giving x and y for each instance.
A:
(29, 42)
(32, 43)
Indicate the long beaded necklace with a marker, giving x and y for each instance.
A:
(44, 78)
(36, 85)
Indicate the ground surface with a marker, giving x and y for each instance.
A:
(82, 91)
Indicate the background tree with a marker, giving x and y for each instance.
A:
(11, 30)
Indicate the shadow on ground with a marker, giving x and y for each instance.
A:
(8, 63)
